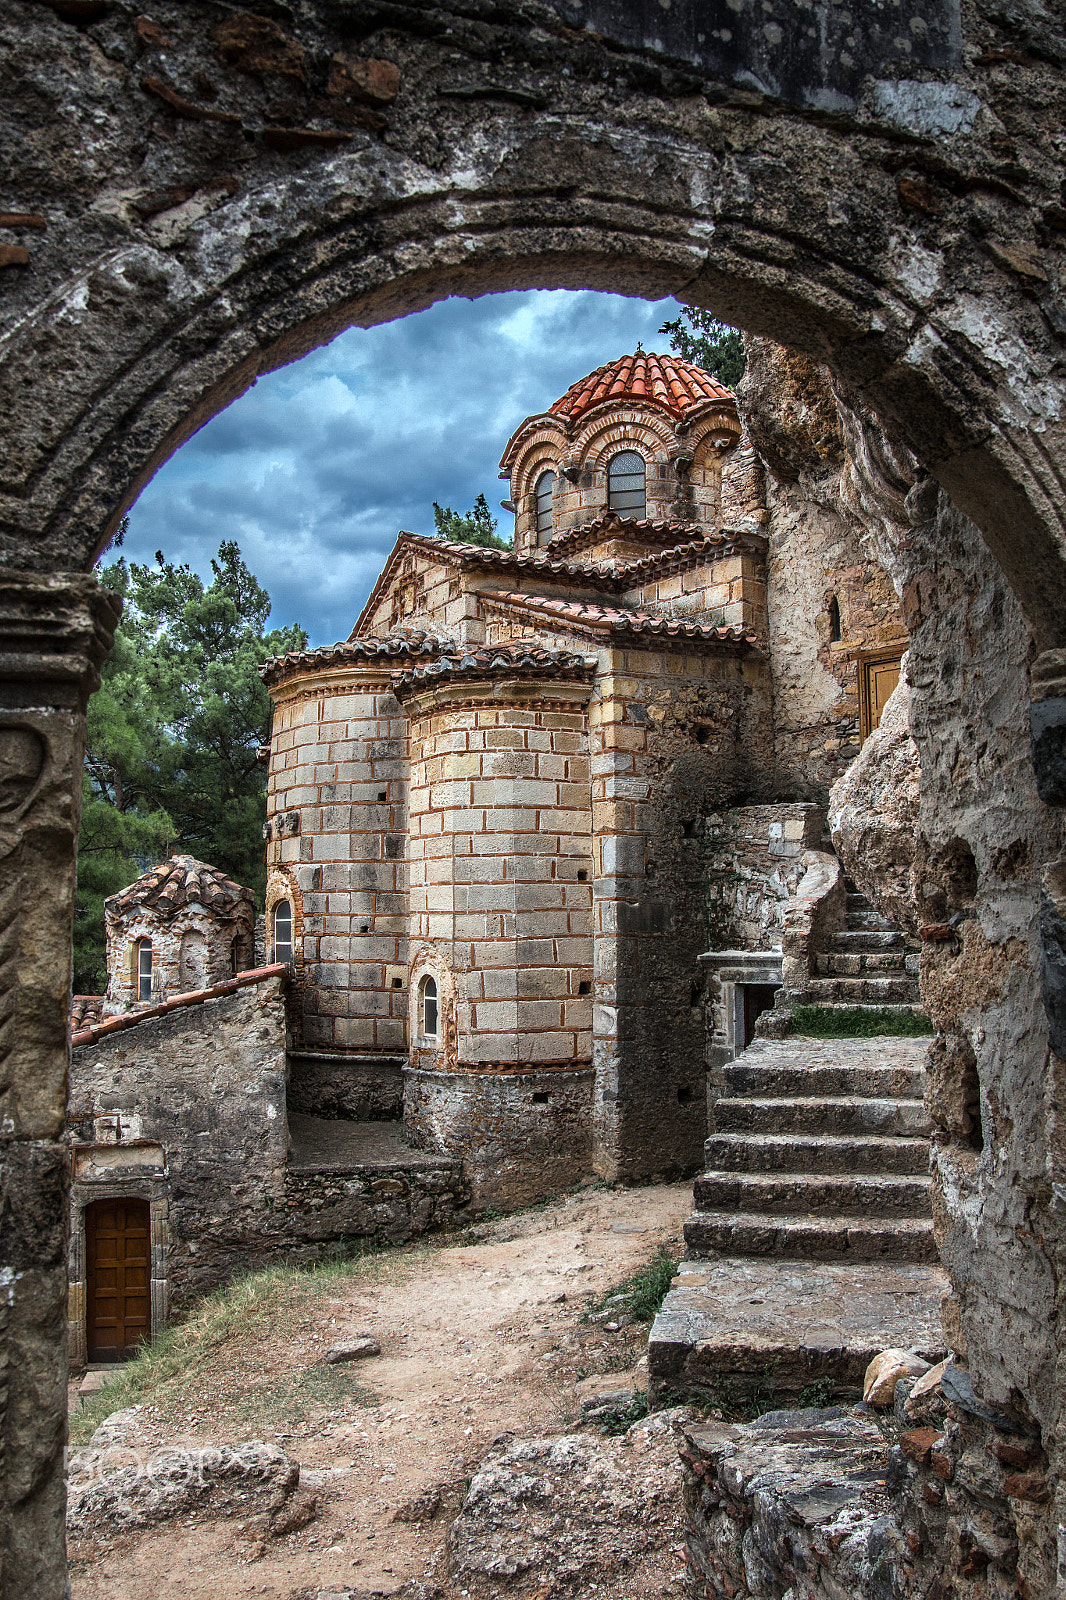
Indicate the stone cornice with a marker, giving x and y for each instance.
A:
(55, 634)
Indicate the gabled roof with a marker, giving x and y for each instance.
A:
(690, 548)
(599, 619)
(675, 386)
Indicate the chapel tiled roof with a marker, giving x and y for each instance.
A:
(615, 619)
(676, 386)
(180, 881)
(85, 1010)
(399, 643)
(522, 658)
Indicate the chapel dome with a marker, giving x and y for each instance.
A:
(176, 883)
(676, 386)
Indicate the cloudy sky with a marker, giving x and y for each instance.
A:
(316, 469)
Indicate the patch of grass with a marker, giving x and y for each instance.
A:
(815, 1395)
(162, 1370)
(858, 1022)
(640, 1295)
(299, 1394)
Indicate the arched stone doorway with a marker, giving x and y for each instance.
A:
(904, 225)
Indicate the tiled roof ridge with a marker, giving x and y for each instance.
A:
(660, 380)
(176, 882)
(177, 1002)
(399, 642)
(619, 619)
(514, 659)
(647, 529)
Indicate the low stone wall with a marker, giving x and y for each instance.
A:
(521, 1135)
(359, 1088)
(387, 1204)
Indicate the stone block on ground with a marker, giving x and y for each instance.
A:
(355, 1350)
(795, 1502)
(565, 1514)
(113, 1488)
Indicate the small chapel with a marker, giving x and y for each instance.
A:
(491, 810)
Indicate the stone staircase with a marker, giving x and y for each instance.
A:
(867, 964)
(820, 1151)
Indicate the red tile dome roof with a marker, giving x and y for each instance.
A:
(676, 386)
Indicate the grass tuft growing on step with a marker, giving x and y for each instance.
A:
(858, 1022)
(640, 1295)
(171, 1364)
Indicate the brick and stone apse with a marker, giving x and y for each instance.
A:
(195, 197)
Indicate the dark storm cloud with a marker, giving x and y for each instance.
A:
(315, 470)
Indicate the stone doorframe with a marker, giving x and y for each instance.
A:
(92, 1183)
(729, 972)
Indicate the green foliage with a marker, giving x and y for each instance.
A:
(641, 1295)
(173, 734)
(618, 1418)
(858, 1022)
(699, 337)
(816, 1395)
(476, 526)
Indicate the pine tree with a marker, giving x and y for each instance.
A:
(699, 337)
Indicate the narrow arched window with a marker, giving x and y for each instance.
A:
(427, 1008)
(834, 620)
(283, 931)
(625, 484)
(144, 969)
(543, 494)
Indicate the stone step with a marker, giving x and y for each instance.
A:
(860, 963)
(867, 939)
(899, 1008)
(813, 1238)
(807, 1194)
(844, 1114)
(781, 1152)
(863, 991)
(748, 1078)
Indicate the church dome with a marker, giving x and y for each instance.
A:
(675, 386)
(174, 884)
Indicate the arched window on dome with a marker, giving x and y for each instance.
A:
(543, 495)
(625, 484)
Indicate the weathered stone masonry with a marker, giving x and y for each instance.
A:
(157, 257)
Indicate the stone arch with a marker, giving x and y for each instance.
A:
(884, 242)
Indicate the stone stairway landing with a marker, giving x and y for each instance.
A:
(820, 1151)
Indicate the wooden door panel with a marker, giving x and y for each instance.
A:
(118, 1252)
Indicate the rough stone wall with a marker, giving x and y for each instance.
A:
(671, 734)
(327, 1209)
(207, 1084)
(753, 861)
(354, 1088)
(818, 554)
(337, 824)
(528, 1134)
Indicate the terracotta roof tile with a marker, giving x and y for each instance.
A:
(522, 658)
(177, 1002)
(400, 643)
(675, 385)
(617, 619)
(178, 882)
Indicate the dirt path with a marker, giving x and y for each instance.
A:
(478, 1339)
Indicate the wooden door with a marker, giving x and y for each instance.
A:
(877, 679)
(118, 1255)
